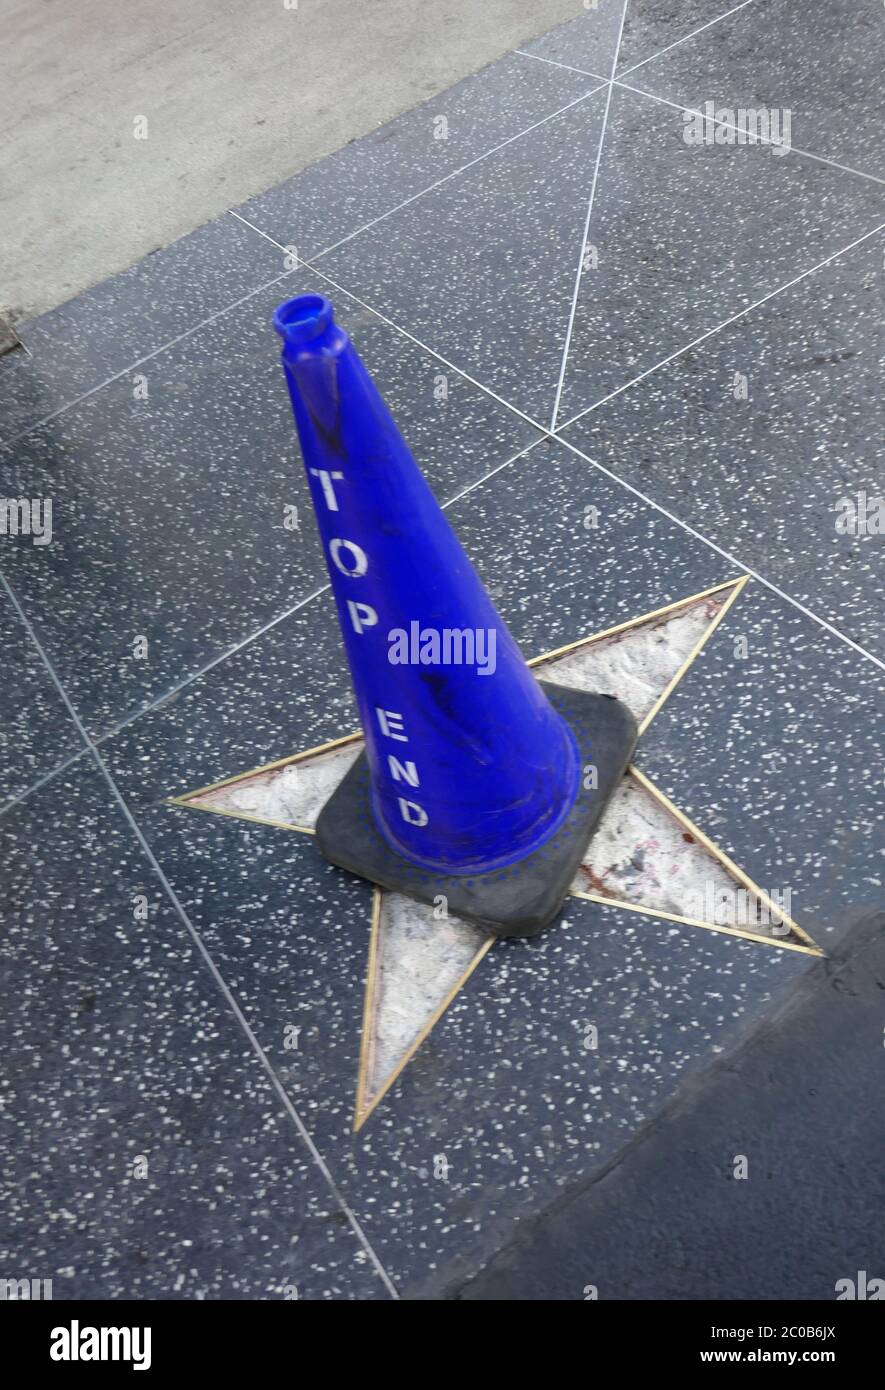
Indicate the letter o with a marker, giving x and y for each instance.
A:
(361, 559)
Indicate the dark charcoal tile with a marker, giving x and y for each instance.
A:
(821, 59)
(687, 235)
(121, 1048)
(483, 268)
(332, 199)
(588, 42)
(77, 346)
(554, 576)
(763, 477)
(169, 512)
(504, 1088)
(776, 755)
(36, 732)
(652, 25)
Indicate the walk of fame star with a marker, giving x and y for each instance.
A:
(646, 855)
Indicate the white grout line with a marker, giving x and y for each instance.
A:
(748, 309)
(455, 172)
(471, 487)
(287, 250)
(90, 746)
(693, 110)
(726, 554)
(556, 63)
(700, 30)
(545, 434)
(232, 651)
(204, 953)
(425, 347)
(210, 665)
(41, 782)
(586, 233)
(558, 435)
(760, 139)
(254, 636)
(244, 642)
(130, 366)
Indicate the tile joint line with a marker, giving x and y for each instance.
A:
(86, 395)
(642, 62)
(202, 950)
(586, 232)
(695, 111)
(547, 434)
(544, 436)
(686, 37)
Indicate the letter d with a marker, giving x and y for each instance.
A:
(406, 807)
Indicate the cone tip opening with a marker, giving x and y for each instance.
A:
(303, 318)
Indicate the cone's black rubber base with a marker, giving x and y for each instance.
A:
(522, 898)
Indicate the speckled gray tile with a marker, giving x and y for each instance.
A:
(36, 732)
(652, 25)
(504, 1089)
(764, 476)
(776, 753)
(483, 269)
(331, 200)
(800, 1103)
(170, 498)
(147, 1155)
(687, 235)
(538, 1106)
(77, 346)
(821, 59)
(556, 575)
(587, 42)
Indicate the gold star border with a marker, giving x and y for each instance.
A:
(366, 1103)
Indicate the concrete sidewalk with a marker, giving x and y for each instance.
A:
(126, 126)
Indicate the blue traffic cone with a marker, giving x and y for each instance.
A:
(473, 782)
